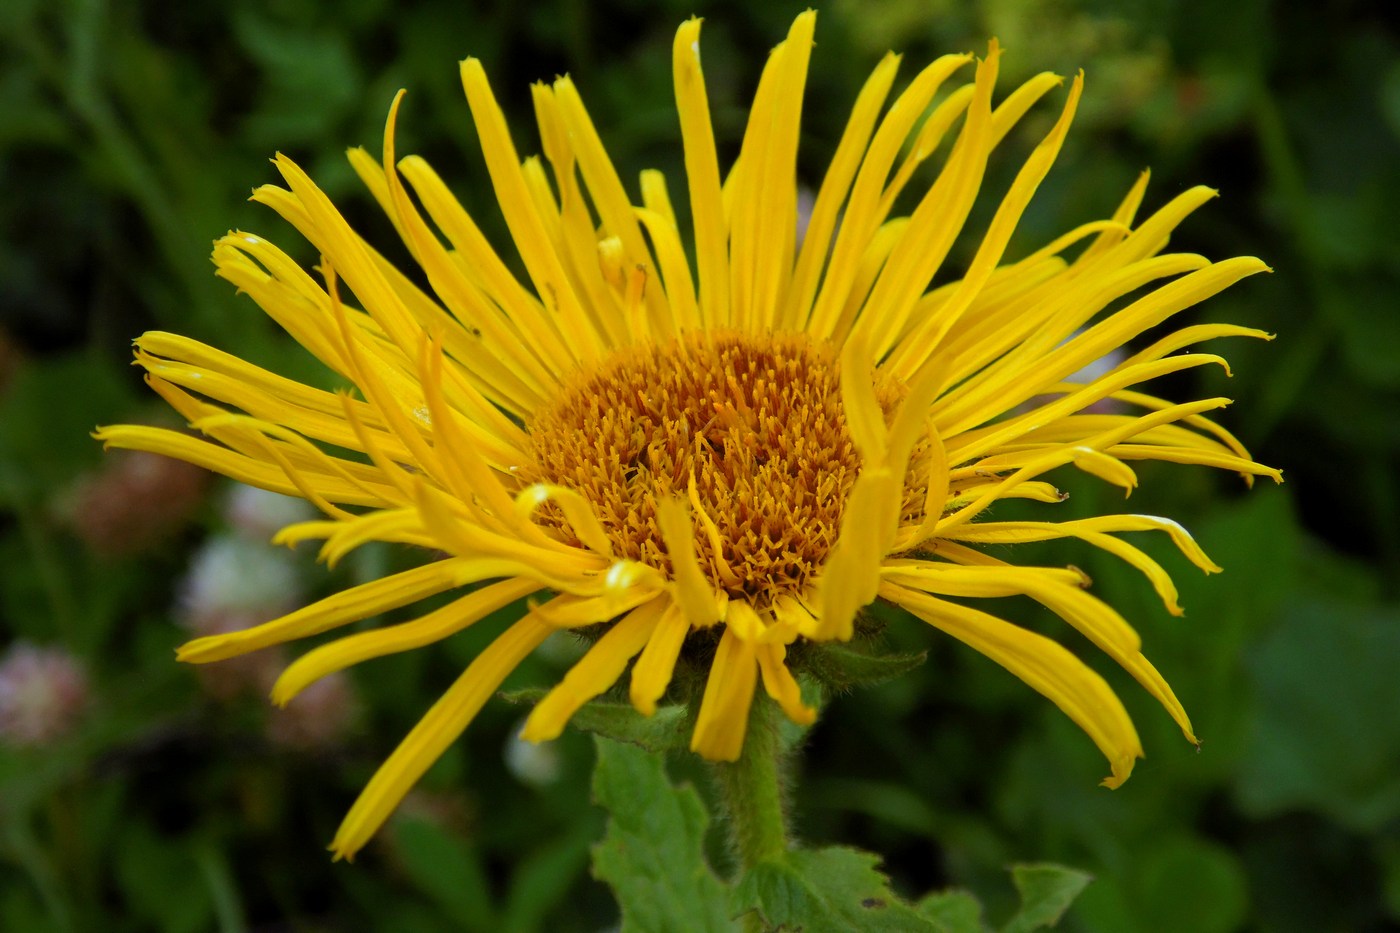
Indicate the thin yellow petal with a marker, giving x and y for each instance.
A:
(1049, 586)
(1124, 215)
(1045, 666)
(394, 639)
(1107, 468)
(577, 511)
(594, 673)
(764, 231)
(342, 608)
(744, 620)
(835, 185)
(851, 576)
(864, 419)
(693, 592)
(675, 268)
(438, 729)
(604, 186)
(571, 611)
(1196, 458)
(651, 675)
(525, 316)
(863, 211)
(994, 242)
(526, 227)
(779, 683)
(222, 460)
(724, 709)
(702, 176)
(937, 220)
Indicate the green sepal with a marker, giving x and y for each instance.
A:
(843, 667)
(652, 853)
(1047, 891)
(663, 731)
(831, 890)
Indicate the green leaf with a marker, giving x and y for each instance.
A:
(653, 851)
(543, 878)
(49, 410)
(1319, 741)
(842, 667)
(1046, 893)
(1193, 884)
(144, 873)
(829, 890)
(1390, 98)
(1389, 856)
(310, 79)
(447, 870)
(954, 911)
(662, 731)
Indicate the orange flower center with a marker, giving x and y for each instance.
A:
(749, 429)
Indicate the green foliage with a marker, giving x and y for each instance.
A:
(653, 856)
(449, 871)
(954, 910)
(826, 891)
(653, 852)
(842, 667)
(1313, 744)
(1046, 892)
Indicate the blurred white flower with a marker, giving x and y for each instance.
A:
(233, 584)
(537, 764)
(43, 692)
(258, 514)
(232, 576)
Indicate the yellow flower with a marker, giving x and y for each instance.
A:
(720, 460)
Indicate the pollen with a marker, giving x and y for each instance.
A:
(749, 429)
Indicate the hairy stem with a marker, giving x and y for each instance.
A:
(751, 790)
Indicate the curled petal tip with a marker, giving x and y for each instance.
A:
(341, 853)
(1122, 770)
(281, 695)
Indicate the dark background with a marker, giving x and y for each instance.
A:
(130, 135)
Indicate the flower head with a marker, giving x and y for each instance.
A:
(731, 455)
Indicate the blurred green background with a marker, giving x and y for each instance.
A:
(151, 796)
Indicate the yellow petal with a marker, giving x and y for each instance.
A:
(851, 574)
(595, 672)
(342, 608)
(702, 176)
(405, 636)
(438, 729)
(693, 591)
(526, 227)
(781, 685)
(651, 675)
(863, 214)
(1044, 666)
(835, 185)
(724, 709)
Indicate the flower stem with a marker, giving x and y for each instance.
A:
(751, 790)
